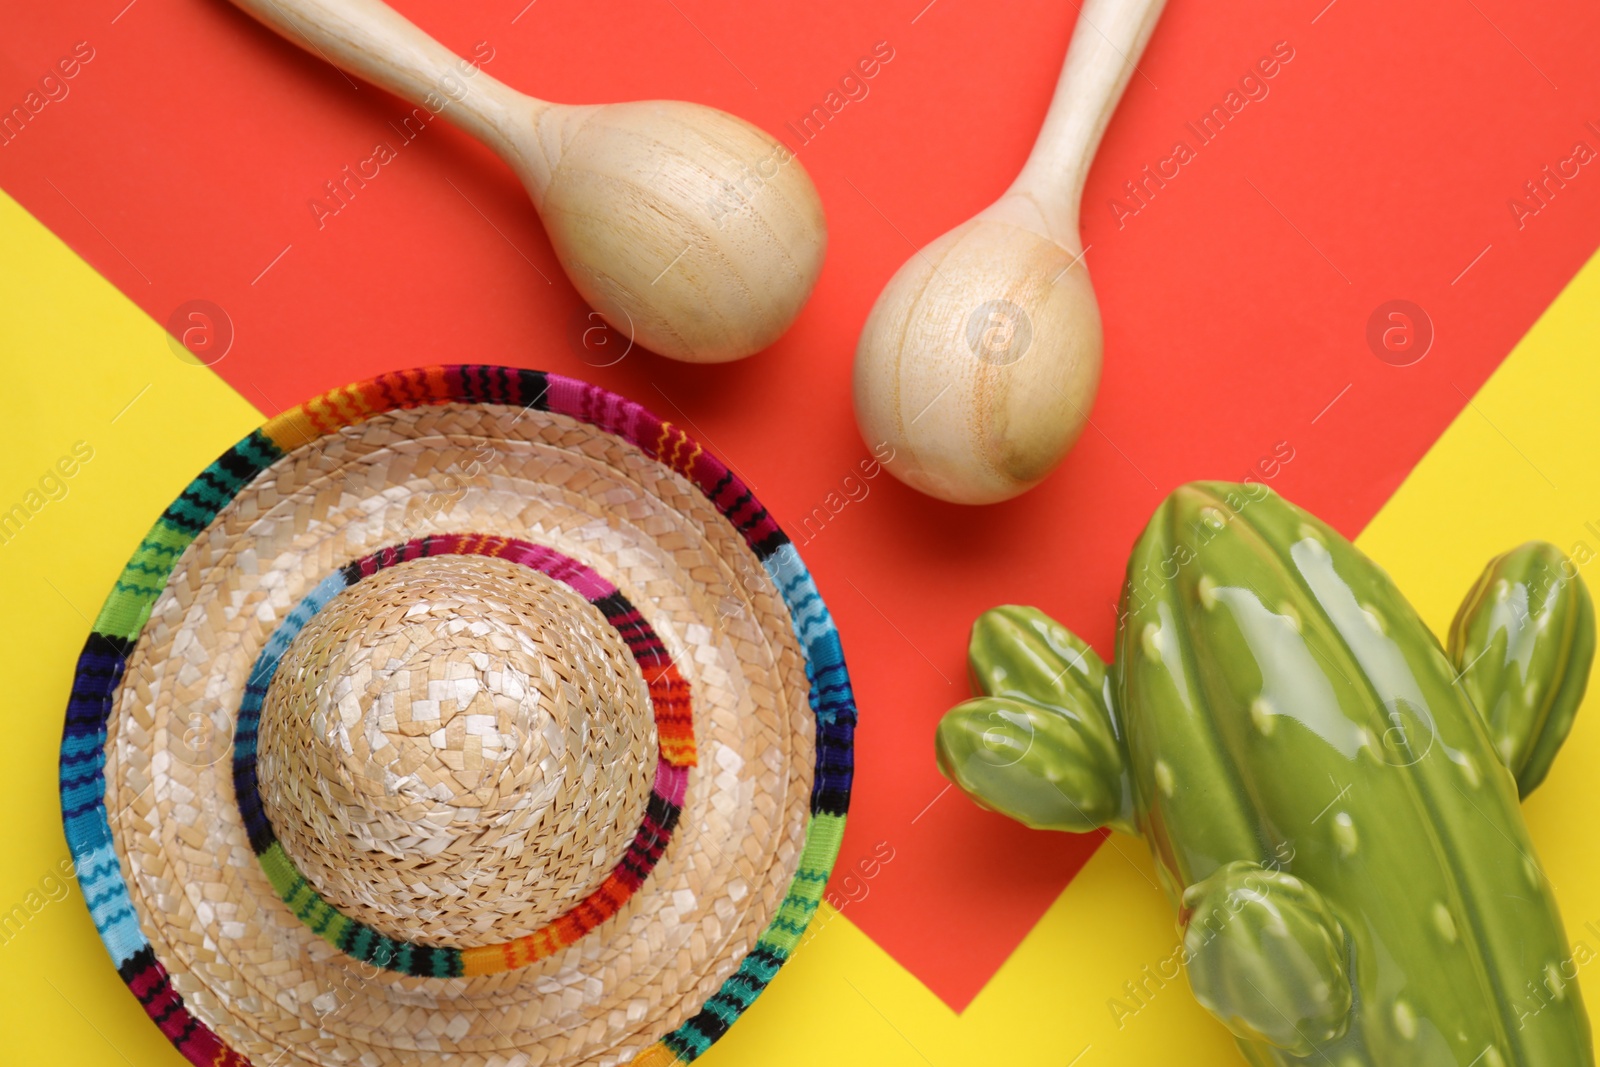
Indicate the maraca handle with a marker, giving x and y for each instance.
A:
(370, 39)
(1106, 45)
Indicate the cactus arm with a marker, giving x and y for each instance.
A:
(1042, 744)
(1523, 642)
(1267, 957)
(1033, 763)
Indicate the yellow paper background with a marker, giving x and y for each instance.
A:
(83, 364)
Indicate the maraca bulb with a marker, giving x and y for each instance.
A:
(979, 362)
(691, 231)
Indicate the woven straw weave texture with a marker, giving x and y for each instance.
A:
(250, 968)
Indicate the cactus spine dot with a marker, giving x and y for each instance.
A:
(1150, 637)
(1553, 982)
(1164, 777)
(1262, 715)
(1492, 1058)
(1344, 834)
(1443, 922)
(1207, 588)
(1405, 1020)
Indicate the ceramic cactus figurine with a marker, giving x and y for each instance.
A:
(1332, 800)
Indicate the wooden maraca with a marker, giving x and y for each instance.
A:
(980, 360)
(688, 229)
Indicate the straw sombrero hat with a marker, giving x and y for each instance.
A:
(467, 714)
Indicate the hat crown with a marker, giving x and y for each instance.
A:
(456, 749)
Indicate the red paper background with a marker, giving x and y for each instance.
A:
(1235, 303)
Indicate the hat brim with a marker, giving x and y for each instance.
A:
(222, 965)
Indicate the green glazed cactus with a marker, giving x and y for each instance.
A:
(1332, 801)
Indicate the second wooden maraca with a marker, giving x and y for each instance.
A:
(980, 360)
(690, 230)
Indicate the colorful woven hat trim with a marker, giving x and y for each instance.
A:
(669, 698)
(116, 628)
